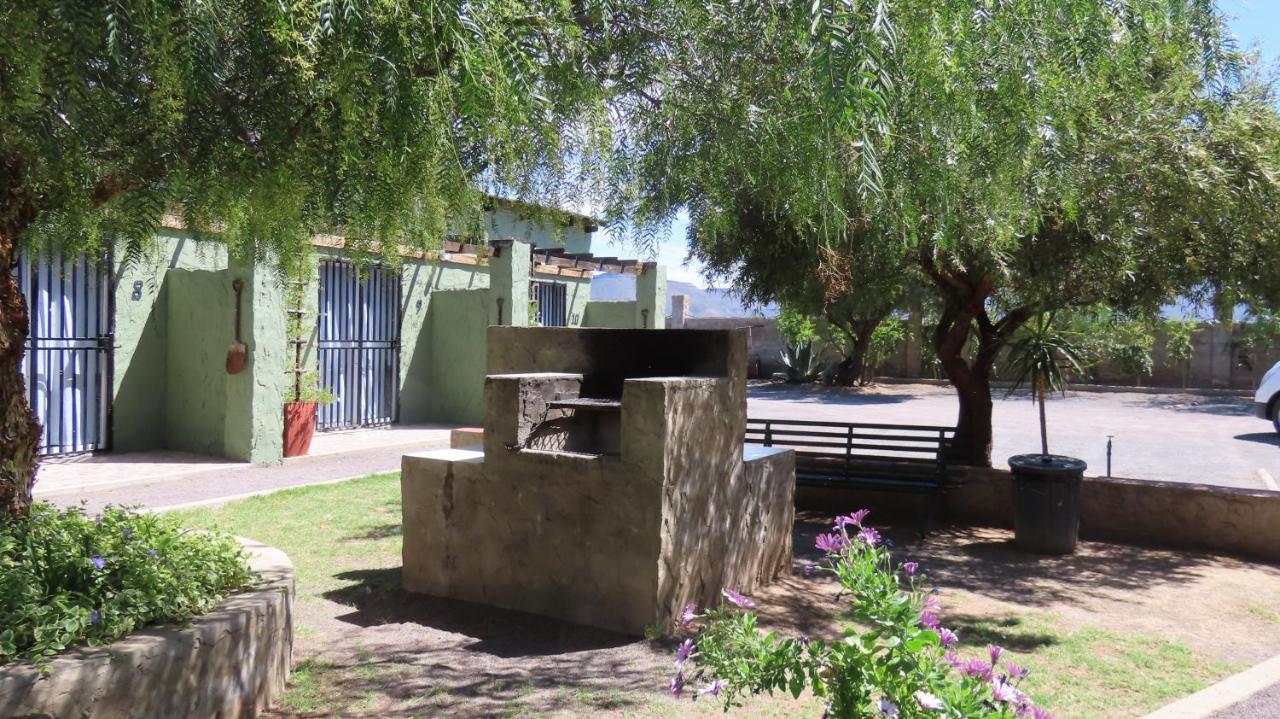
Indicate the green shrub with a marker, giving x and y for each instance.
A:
(67, 578)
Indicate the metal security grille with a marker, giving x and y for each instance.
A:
(549, 299)
(67, 358)
(359, 345)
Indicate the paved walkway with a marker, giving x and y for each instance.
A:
(1173, 437)
(166, 480)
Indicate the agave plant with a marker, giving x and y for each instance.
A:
(1042, 356)
(801, 363)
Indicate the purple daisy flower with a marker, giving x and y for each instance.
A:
(677, 685)
(682, 654)
(869, 536)
(737, 599)
(98, 562)
(95, 617)
(995, 653)
(928, 701)
(1001, 691)
(910, 568)
(887, 709)
(977, 669)
(929, 620)
(689, 614)
(1040, 713)
(947, 637)
(712, 689)
(832, 543)
(1016, 671)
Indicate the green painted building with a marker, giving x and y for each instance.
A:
(394, 345)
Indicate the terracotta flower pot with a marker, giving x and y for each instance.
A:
(299, 426)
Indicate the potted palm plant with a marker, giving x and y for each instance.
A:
(1046, 487)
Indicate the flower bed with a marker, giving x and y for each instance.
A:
(232, 661)
(895, 659)
(68, 579)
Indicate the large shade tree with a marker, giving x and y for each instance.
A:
(260, 122)
(1020, 156)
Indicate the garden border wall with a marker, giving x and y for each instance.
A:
(1174, 515)
(228, 664)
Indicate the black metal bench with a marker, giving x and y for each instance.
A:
(859, 455)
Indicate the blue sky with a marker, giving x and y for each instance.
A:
(1255, 23)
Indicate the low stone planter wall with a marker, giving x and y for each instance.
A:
(1176, 515)
(228, 664)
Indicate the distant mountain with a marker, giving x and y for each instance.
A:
(702, 302)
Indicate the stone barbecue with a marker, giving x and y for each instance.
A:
(612, 487)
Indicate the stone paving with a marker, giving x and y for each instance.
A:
(1173, 437)
(163, 480)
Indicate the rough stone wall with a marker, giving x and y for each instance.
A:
(620, 542)
(229, 664)
(1136, 511)
(567, 536)
(722, 524)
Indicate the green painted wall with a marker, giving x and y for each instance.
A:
(171, 389)
(254, 417)
(199, 305)
(141, 336)
(503, 224)
(457, 323)
(617, 315)
(428, 293)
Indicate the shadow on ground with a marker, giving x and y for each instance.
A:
(984, 562)
(1271, 438)
(1224, 406)
(818, 394)
(378, 599)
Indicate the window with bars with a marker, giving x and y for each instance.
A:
(549, 303)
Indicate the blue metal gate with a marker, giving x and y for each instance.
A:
(550, 302)
(359, 345)
(67, 357)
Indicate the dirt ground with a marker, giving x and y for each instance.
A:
(372, 650)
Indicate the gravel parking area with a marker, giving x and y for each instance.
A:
(1174, 437)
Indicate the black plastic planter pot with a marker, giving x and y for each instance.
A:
(1046, 502)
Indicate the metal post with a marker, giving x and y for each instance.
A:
(1109, 437)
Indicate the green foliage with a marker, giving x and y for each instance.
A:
(263, 123)
(887, 338)
(1042, 356)
(54, 595)
(893, 658)
(796, 326)
(1177, 342)
(800, 362)
(1131, 345)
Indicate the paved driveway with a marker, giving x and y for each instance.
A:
(1172, 437)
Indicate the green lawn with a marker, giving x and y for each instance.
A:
(333, 529)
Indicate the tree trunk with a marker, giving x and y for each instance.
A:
(1044, 426)
(964, 312)
(19, 430)
(853, 367)
(973, 422)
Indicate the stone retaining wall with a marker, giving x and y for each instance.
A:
(228, 664)
(1176, 515)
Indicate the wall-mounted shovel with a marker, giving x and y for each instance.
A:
(236, 352)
